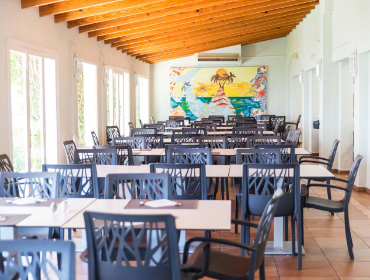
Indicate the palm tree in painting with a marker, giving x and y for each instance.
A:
(221, 77)
(187, 84)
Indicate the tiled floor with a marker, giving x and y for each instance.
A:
(325, 244)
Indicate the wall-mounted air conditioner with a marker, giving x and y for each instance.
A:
(217, 58)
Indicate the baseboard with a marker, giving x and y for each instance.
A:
(315, 154)
(367, 191)
(360, 189)
(334, 171)
(343, 172)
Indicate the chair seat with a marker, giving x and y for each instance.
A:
(220, 263)
(324, 204)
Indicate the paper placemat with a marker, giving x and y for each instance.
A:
(185, 204)
(11, 219)
(43, 202)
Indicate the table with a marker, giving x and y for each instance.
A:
(202, 218)
(210, 133)
(149, 152)
(212, 171)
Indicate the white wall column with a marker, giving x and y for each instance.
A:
(313, 111)
(305, 110)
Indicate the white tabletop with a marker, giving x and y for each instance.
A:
(148, 152)
(209, 215)
(212, 171)
(313, 171)
(210, 133)
(43, 216)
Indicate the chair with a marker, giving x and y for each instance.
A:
(295, 123)
(207, 126)
(137, 186)
(263, 140)
(287, 151)
(188, 155)
(181, 145)
(112, 131)
(212, 142)
(158, 127)
(135, 142)
(130, 126)
(280, 120)
(95, 138)
(201, 131)
(217, 117)
(286, 132)
(137, 131)
(70, 148)
(183, 138)
(144, 247)
(243, 122)
(171, 123)
(103, 156)
(230, 123)
(320, 160)
(31, 259)
(141, 123)
(260, 181)
(152, 119)
(237, 141)
(293, 137)
(248, 131)
(220, 265)
(75, 180)
(29, 184)
(5, 163)
(152, 141)
(187, 181)
(334, 205)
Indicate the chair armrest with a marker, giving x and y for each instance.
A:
(244, 223)
(213, 240)
(314, 161)
(339, 180)
(327, 186)
(313, 157)
(290, 123)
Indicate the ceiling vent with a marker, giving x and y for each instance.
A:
(217, 58)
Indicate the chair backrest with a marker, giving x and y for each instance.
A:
(263, 140)
(152, 119)
(171, 123)
(70, 148)
(267, 156)
(29, 184)
(124, 154)
(351, 178)
(136, 186)
(213, 142)
(286, 132)
(181, 145)
(293, 137)
(132, 246)
(263, 231)
(237, 141)
(230, 123)
(138, 131)
(141, 123)
(75, 180)
(103, 156)
(5, 163)
(242, 122)
(187, 181)
(158, 127)
(112, 131)
(180, 122)
(287, 151)
(332, 154)
(260, 181)
(232, 118)
(278, 123)
(248, 130)
(217, 117)
(298, 120)
(189, 155)
(207, 126)
(188, 130)
(183, 138)
(95, 138)
(135, 142)
(255, 125)
(30, 259)
(130, 126)
(152, 141)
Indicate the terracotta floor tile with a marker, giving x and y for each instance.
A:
(318, 269)
(324, 223)
(352, 269)
(309, 278)
(335, 243)
(341, 254)
(329, 232)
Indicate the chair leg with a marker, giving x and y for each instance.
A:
(262, 270)
(329, 194)
(348, 235)
(236, 212)
(286, 228)
(292, 225)
(227, 188)
(301, 225)
(299, 240)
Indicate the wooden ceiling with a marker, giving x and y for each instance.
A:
(157, 30)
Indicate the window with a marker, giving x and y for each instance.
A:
(118, 98)
(33, 96)
(142, 100)
(87, 116)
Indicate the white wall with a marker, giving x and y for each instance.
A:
(26, 25)
(269, 53)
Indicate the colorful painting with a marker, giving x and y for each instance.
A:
(200, 92)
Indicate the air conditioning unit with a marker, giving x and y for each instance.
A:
(217, 58)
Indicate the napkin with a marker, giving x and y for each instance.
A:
(160, 203)
(29, 200)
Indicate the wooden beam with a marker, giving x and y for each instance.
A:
(199, 7)
(223, 41)
(119, 8)
(70, 5)
(198, 26)
(34, 3)
(217, 15)
(180, 34)
(211, 36)
(170, 56)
